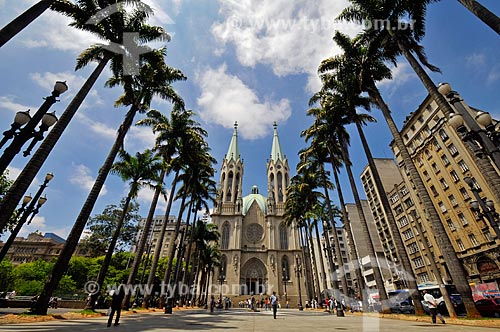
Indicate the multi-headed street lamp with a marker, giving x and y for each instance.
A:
(23, 127)
(28, 209)
(485, 205)
(298, 270)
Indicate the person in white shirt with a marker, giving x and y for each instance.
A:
(431, 303)
(274, 304)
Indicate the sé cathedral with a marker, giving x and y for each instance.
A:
(260, 254)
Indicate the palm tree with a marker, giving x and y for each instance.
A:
(154, 78)
(140, 171)
(23, 20)
(172, 136)
(312, 158)
(110, 29)
(483, 13)
(203, 235)
(367, 61)
(331, 118)
(389, 42)
(341, 77)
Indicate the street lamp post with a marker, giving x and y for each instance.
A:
(222, 277)
(487, 206)
(285, 279)
(29, 209)
(469, 128)
(20, 135)
(298, 270)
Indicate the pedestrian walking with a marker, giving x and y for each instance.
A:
(116, 305)
(274, 304)
(432, 305)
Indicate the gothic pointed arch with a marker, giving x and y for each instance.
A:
(283, 236)
(225, 235)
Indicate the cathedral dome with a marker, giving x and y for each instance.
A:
(254, 196)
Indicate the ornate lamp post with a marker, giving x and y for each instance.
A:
(285, 277)
(487, 206)
(222, 277)
(482, 141)
(20, 135)
(25, 211)
(298, 270)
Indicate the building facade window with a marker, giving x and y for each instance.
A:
(464, 193)
(434, 191)
(473, 240)
(283, 236)
(408, 234)
(460, 245)
(454, 176)
(444, 136)
(453, 149)
(403, 221)
(463, 166)
(442, 207)
(443, 183)
(225, 236)
(453, 200)
(462, 218)
(451, 225)
(418, 262)
(445, 160)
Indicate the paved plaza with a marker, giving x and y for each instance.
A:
(241, 320)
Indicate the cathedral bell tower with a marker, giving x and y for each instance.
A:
(278, 177)
(229, 200)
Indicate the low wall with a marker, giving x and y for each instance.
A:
(72, 304)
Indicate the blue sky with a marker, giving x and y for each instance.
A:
(248, 61)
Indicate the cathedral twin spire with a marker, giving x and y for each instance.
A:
(229, 192)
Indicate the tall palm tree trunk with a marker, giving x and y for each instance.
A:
(483, 13)
(456, 269)
(307, 278)
(391, 221)
(179, 274)
(109, 254)
(23, 181)
(172, 251)
(187, 276)
(490, 173)
(142, 242)
(353, 253)
(23, 20)
(322, 263)
(336, 242)
(317, 286)
(159, 243)
(366, 234)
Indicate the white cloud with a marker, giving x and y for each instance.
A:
(225, 99)
(291, 37)
(39, 224)
(400, 75)
(139, 139)
(145, 198)
(14, 172)
(7, 102)
(476, 59)
(97, 127)
(81, 176)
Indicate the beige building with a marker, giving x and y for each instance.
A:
(347, 266)
(154, 234)
(389, 175)
(37, 246)
(361, 246)
(443, 161)
(258, 249)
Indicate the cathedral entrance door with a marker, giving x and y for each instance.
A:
(255, 286)
(254, 277)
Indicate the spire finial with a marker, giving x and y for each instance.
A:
(235, 125)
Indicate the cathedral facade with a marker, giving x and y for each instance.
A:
(260, 254)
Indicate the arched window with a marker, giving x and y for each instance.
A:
(280, 187)
(283, 236)
(230, 179)
(285, 268)
(225, 235)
